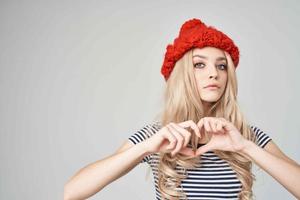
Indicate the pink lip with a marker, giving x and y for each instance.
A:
(212, 86)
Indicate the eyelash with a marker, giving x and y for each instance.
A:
(225, 66)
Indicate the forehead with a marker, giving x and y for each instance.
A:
(210, 52)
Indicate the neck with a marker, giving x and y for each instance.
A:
(206, 107)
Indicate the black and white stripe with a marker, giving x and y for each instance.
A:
(261, 138)
(144, 133)
(212, 179)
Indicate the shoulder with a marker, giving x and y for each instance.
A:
(261, 137)
(145, 132)
(263, 140)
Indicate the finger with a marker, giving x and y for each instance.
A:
(203, 149)
(186, 134)
(219, 127)
(171, 138)
(212, 124)
(192, 124)
(179, 138)
(187, 151)
(200, 124)
(206, 125)
(226, 125)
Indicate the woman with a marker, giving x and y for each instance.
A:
(201, 146)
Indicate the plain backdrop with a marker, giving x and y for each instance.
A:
(77, 78)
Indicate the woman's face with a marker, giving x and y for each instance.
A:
(210, 67)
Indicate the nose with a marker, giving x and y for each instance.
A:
(212, 72)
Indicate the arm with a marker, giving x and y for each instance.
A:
(95, 176)
(225, 136)
(275, 163)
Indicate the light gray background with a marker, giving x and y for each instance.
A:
(79, 77)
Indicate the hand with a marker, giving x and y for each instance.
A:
(173, 138)
(224, 135)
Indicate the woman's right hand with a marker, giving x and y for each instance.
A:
(172, 138)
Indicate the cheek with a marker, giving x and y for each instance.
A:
(223, 78)
(199, 79)
(200, 83)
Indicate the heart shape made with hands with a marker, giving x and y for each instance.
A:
(209, 126)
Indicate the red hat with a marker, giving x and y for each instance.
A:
(194, 33)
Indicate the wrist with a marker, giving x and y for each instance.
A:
(143, 148)
(248, 146)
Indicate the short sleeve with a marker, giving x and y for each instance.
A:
(261, 137)
(144, 133)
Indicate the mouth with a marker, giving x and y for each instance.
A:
(212, 87)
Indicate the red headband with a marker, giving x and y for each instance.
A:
(194, 33)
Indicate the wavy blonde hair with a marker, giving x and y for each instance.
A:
(181, 103)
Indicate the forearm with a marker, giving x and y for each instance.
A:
(95, 176)
(286, 173)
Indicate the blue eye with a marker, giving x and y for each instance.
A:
(224, 66)
(197, 64)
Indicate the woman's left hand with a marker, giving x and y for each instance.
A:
(224, 135)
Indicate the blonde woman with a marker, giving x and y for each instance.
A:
(200, 146)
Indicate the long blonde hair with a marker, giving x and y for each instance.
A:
(181, 103)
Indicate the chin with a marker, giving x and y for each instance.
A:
(210, 99)
(210, 102)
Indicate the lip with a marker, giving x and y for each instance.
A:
(212, 86)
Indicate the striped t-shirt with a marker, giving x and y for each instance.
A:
(213, 179)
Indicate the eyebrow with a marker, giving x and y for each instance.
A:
(200, 56)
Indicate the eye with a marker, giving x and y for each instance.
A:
(198, 64)
(223, 66)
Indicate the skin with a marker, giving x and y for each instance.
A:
(173, 138)
(210, 67)
(226, 137)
